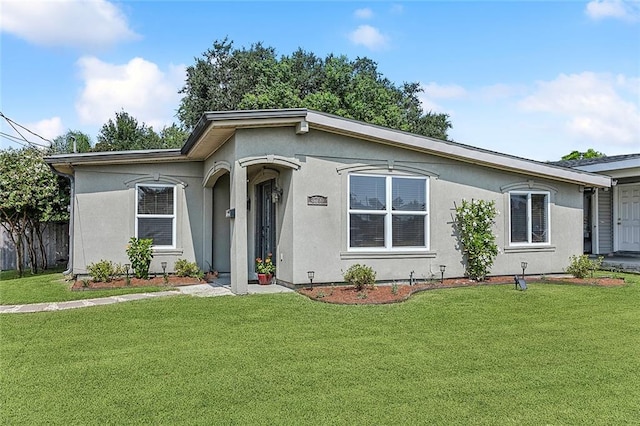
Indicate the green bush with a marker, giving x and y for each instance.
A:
(140, 254)
(184, 268)
(103, 271)
(581, 266)
(360, 276)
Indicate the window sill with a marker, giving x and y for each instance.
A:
(168, 251)
(346, 255)
(529, 249)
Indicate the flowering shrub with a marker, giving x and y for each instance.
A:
(581, 266)
(360, 276)
(140, 255)
(265, 266)
(473, 221)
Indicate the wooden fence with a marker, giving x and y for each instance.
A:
(56, 243)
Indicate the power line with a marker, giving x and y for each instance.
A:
(11, 123)
(14, 139)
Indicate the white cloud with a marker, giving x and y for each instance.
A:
(369, 37)
(48, 128)
(617, 9)
(364, 13)
(139, 87)
(446, 91)
(397, 9)
(70, 23)
(594, 107)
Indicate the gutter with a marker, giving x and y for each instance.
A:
(72, 181)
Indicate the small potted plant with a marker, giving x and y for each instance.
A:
(265, 269)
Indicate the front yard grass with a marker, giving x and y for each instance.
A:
(554, 354)
(50, 286)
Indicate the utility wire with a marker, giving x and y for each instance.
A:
(14, 139)
(17, 140)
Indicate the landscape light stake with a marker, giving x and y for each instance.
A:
(164, 272)
(442, 268)
(523, 265)
(126, 267)
(310, 275)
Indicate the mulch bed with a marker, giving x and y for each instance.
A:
(172, 281)
(382, 294)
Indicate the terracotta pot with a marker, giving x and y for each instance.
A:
(264, 279)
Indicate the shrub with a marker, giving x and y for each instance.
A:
(580, 266)
(184, 268)
(360, 276)
(140, 254)
(473, 222)
(102, 271)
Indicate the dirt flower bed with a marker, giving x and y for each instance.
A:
(382, 294)
(172, 281)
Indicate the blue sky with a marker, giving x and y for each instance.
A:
(533, 79)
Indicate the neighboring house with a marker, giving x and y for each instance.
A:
(611, 216)
(321, 193)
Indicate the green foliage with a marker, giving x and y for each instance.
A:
(184, 268)
(577, 155)
(140, 254)
(474, 221)
(360, 276)
(394, 288)
(581, 266)
(125, 133)
(225, 78)
(30, 195)
(64, 144)
(265, 266)
(102, 271)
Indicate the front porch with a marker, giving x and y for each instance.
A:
(622, 261)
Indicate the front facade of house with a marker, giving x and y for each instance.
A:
(612, 215)
(320, 193)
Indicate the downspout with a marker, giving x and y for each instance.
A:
(72, 184)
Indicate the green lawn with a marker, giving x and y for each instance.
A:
(51, 287)
(555, 354)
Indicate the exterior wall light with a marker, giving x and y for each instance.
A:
(276, 195)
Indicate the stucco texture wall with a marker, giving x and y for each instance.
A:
(316, 236)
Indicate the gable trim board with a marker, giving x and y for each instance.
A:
(310, 153)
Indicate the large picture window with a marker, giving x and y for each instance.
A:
(529, 217)
(387, 212)
(156, 214)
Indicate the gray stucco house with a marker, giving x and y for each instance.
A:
(321, 193)
(611, 215)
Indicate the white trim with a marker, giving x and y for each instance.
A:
(529, 243)
(388, 214)
(164, 216)
(615, 218)
(595, 224)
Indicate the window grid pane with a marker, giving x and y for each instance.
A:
(367, 230)
(409, 194)
(539, 218)
(408, 231)
(155, 200)
(367, 193)
(519, 222)
(156, 214)
(160, 230)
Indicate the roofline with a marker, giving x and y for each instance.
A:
(297, 114)
(65, 162)
(621, 164)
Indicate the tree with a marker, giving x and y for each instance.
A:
(125, 133)
(64, 144)
(31, 196)
(577, 155)
(226, 79)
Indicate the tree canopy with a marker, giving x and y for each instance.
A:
(577, 155)
(31, 195)
(126, 133)
(225, 78)
(64, 144)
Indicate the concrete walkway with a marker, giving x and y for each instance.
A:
(198, 290)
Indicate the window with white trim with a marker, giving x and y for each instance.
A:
(387, 212)
(529, 217)
(156, 214)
